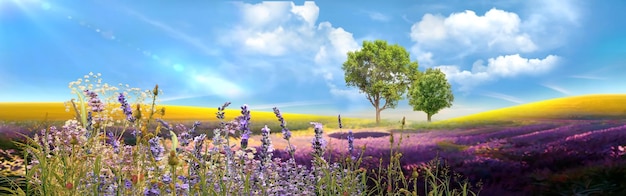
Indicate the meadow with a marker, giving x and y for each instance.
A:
(103, 145)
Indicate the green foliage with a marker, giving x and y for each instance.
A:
(381, 71)
(431, 93)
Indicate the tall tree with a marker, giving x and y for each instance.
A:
(381, 71)
(431, 93)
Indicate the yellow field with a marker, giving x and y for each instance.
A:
(562, 108)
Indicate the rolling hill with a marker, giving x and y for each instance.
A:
(55, 111)
(575, 107)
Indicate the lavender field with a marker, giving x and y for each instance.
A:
(556, 157)
(545, 157)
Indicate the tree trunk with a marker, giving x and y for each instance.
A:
(377, 116)
(429, 115)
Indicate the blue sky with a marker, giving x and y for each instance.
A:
(289, 54)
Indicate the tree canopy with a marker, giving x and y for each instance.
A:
(381, 71)
(431, 93)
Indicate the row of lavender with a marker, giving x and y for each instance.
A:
(515, 159)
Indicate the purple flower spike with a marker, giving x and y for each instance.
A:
(319, 143)
(266, 146)
(165, 124)
(126, 108)
(350, 142)
(283, 124)
(339, 118)
(113, 142)
(244, 125)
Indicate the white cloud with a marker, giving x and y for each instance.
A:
(557, 89)
(496, 30)
(262, 15)
(281, 29)
(377, 16)
(423, 58)
(274, 28)
(512, 65)
(503, 97)
(500, 67)
(496, 34)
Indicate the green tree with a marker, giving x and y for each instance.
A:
(381, 71)
(430, 93)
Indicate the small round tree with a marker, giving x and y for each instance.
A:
(431, 93)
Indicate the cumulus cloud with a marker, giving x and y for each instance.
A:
(501, 36)
(281, 29)
(496, 30)
(273, 28)
(500, 67)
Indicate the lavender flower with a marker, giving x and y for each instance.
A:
(156, 148)
(153, 190)
(184, 187)
(166, 178)
(286, 133)
(195, 126)
(350, 142)
(128, 184)
(113, 142)
(198, 141)
(283, 124)
(266, 147)
(164, 124)
(220, 112)
(89, 124)
(244, 140)
(244, 125)
(184, 138)
(319, 143)
(126, 108)
(339, 119)
(94, 102)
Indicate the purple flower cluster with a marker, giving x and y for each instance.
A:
(350, 142)
(94, 102)
(319, 143)
(266, 145)
(126, 108)
(156, 148)
(244, 125)
(114, 142)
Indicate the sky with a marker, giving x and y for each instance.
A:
(289, 54)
